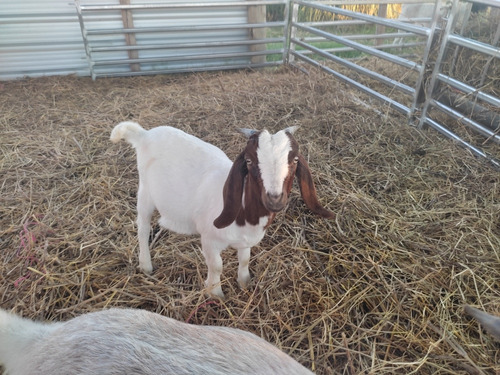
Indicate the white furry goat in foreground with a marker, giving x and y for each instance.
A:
(198, 190)
(128, 341)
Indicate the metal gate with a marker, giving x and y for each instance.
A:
(152, 38)
(419, 100)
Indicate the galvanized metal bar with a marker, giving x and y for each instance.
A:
(437, 65)
(419, 85)
(386, 100)
(475, 45)
(469, 90)
(357, 37)
(359, 22)
(372, 2)
(143, 30)
(144, 47)
(449, 134)
(490, 134)
(377, 76)
(190, 70)
(104, 7)
(379, 47)
(84, 36)
(361, 47)
(186, 57)
(372, 19)
(490, 3)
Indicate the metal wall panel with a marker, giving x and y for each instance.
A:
(40, 38)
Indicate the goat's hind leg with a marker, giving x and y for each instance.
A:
(145, 209)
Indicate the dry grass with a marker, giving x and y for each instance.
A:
(378, 290)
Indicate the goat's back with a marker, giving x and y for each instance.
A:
(181, 175)
(128, 341)
(166, 142)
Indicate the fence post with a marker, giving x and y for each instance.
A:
(429, 91)
(257, 14)
(286, 32)
(293, 32)
(380, 29)
(418, 107)
(128, 23)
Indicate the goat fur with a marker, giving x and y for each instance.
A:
(132, 341)
(198, 190)
(490, 322)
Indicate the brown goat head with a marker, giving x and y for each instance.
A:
(261, 179)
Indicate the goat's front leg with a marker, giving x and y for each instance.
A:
(211, 252)
(243, 261)
(145, 209)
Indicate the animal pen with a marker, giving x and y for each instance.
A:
(380, 289)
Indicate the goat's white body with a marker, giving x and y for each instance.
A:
(183, 178)
(128, 341)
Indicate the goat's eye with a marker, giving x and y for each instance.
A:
(296, 159)
(249, 162)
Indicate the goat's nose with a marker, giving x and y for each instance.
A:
(275, 202)
(275, 197)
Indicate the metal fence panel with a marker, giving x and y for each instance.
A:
(422, 97)
(163, 37)
(45, 38)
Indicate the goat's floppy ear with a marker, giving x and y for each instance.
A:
(233, 192)
(308, 190)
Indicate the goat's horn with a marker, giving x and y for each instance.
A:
(247, 132)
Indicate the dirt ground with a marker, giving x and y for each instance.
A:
(380, 289)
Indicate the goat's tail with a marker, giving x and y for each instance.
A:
(131, 131)
(17, 335)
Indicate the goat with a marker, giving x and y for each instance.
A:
(490, 323)
(197, 190)
(133, 341)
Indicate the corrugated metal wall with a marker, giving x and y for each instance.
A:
(166, 47)
(40, 37)
(43, 37)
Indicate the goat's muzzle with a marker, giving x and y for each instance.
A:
(275, 202)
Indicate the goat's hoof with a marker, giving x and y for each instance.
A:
(217, 295)
(215, 291)
(147, 269)
(244, 281)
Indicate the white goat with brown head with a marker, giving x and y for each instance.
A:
(198, 190)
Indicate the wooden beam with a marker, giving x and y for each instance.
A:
(128, 23)
(380, 29)
(257, 14)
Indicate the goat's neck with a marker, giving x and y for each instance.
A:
(253, 208)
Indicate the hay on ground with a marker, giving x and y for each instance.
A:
(380, 289)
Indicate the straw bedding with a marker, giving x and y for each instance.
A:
(380, 289)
